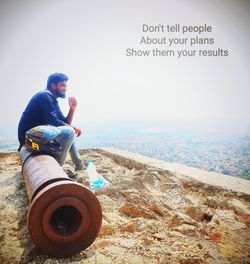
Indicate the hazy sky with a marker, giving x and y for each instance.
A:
(87, 41)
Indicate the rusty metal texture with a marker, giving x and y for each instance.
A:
(64, 217)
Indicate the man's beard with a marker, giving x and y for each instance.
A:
(61, 95)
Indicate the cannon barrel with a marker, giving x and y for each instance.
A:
(64, 217)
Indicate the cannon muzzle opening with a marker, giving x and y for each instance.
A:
(65, 220)
(64, 217)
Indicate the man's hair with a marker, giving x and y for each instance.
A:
(56, 78)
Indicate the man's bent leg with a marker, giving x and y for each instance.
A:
(66, 139)
(75, 156)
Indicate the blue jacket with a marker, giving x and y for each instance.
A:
(42, 109)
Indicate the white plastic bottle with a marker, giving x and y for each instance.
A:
(96, 180)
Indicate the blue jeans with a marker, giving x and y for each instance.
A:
(66, 136)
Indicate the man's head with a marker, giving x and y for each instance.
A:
(57, 82)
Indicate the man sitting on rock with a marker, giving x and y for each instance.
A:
(43, 114)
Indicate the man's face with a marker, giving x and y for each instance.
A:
(60, 89)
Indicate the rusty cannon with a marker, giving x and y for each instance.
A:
(63, 217)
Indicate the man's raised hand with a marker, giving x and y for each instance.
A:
(72, 103)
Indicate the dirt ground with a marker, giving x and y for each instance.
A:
(150, 215)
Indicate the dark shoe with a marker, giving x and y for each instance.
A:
(80, 167)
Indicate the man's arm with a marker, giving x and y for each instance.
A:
(70, 115)
(72, 108)
(69, 118)
(51, 116)
(49, 112)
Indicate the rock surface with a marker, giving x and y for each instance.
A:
(150, 215)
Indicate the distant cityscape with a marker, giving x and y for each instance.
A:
(231, 156)
(209, 151)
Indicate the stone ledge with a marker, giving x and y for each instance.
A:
(227, 182)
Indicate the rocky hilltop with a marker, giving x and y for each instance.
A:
(153, 212)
